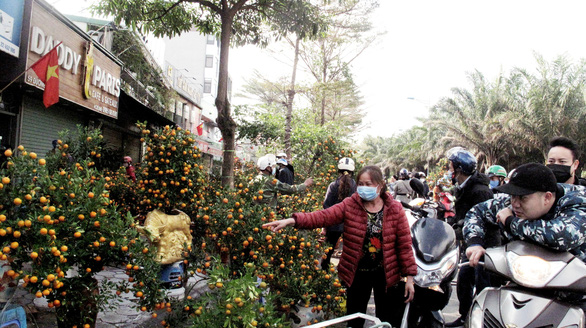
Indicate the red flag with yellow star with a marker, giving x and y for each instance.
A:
(47, 69)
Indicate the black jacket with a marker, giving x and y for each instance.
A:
(333, 199)
(475, 191)
(285, 175)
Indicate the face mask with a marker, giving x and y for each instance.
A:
(562, 172)
(274, 171)
(449, 175)
(422, 179)
(367, 193)
(493, 184)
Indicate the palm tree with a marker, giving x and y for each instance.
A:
(553, 105)
(473, 119)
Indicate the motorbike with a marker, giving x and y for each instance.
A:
(546, 289)
(437, 255)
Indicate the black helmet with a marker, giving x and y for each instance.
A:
(463, 160)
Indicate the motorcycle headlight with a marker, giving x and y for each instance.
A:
(532, 271)
(429, 275)
(476, 317)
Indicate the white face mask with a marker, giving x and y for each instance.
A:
(274, 170)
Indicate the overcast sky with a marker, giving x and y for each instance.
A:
(429, 47)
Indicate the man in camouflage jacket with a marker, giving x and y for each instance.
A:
(272, 186)
(534, 208)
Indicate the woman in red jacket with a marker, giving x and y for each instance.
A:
(377, 247)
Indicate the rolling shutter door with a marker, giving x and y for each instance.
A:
(40, 125)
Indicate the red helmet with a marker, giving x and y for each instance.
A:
(127, 159)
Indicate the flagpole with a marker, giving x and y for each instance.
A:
(26, 70)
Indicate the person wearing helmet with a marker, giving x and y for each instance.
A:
(497, 175)
(127, 162)
(472, 188)
(289, 166)
(284, 174)
(403, 191)
(343, 187)
(271, 186)
(421, 176)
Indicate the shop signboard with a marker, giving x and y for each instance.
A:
(87, 76)
(11, 14)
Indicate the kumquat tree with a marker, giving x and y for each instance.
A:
(59, 228)
(258, 277)
(53, 233)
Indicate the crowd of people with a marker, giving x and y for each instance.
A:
(543, 204)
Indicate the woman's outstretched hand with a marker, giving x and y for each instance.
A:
(280, 224)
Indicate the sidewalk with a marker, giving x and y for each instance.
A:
(124, 314)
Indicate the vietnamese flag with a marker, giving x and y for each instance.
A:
(200, 129)
(47, 69)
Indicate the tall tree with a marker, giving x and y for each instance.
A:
(235, 21)
(474, 119)
(553, 103)
(329, 56)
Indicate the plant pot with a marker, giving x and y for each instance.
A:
(80, 307)
(172, 275)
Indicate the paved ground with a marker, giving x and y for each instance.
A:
(39, 315)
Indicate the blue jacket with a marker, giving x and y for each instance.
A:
(563, 228)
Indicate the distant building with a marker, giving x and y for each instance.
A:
(191, 61)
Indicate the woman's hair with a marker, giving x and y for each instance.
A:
(376, 175)
(345, 184)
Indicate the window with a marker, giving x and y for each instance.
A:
(207, 86)
(211, 39)
(209, 61)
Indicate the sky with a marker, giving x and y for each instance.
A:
(428, 49)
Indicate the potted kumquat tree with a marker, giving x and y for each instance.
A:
(59, 228)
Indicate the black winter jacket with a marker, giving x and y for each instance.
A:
(285, 175)
(332, 199)
(475, 190)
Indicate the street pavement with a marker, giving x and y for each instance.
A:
(124, 314)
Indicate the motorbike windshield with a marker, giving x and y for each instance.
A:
(432, 239)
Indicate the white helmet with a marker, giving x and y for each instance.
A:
(281, 155)
(346, 163)
(265, 162)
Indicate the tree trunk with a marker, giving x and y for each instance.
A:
(290, 97)
(324, 79)
(81, 310)
(226, 123)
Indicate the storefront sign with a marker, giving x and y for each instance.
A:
(88, 77)
(10, 26)
(185, 84)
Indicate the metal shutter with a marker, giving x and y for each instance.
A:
(40, 125)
